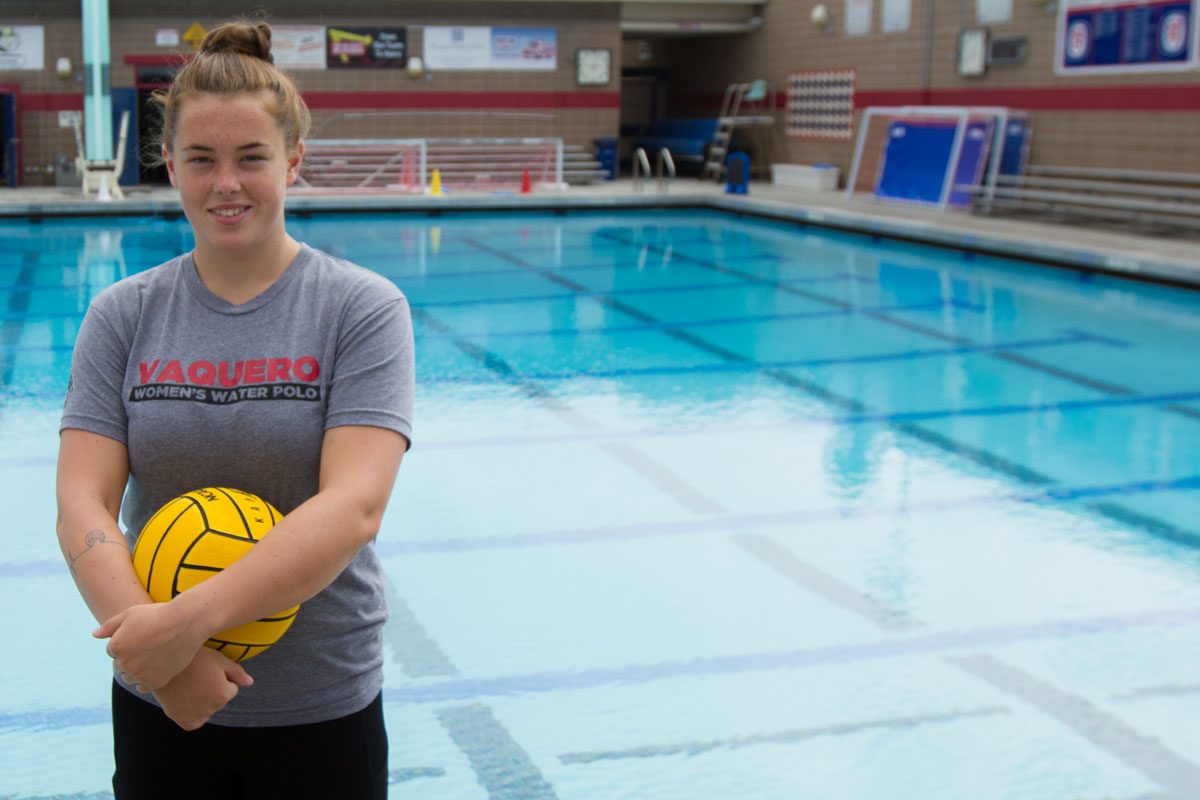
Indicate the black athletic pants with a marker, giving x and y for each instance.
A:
(342, 759)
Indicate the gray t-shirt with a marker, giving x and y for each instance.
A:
(206, 393)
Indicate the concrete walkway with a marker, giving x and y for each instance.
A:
(1093, 247)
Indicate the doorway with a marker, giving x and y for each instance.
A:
(150, 79)
(10, 140)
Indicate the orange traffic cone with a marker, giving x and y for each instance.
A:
(526, 183)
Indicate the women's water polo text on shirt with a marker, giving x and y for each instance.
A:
(224, 382)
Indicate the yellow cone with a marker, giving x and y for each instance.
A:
(435, 187)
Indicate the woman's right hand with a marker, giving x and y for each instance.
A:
(203, 688)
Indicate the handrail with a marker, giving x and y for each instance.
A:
(641, 168)
(664, 158)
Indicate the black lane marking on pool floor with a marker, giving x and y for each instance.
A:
(586, 291)
(654, 473)
(1074, 377)
(759, 365)
(619, 266)
(699, 746)
(1103, 729)
(750, 319)
(14, 318)
(502, 767)
(1025, 474)
(359, 254)
(921, 643)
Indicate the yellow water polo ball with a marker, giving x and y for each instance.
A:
(195, 536)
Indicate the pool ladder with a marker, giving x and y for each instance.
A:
(664, 169)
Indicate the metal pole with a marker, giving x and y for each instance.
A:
(97, 97)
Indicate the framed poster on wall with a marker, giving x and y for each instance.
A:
(22, 47)
(1126, 36)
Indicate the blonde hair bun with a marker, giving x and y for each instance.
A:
(247, 39)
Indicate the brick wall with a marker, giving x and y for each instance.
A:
(351, 102)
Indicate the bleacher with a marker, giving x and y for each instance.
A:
(686, 139)
(1139, 197)
(466, 164)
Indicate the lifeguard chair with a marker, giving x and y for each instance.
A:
(102, 177)
(750, 109)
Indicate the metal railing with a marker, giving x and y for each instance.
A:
(664, 169)
(412, 164)
(641, 168)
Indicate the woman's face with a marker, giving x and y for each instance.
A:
(231, 165)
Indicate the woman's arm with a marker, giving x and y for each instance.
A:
(304, 553)
(92, 471)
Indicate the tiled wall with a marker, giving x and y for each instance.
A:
(1108, 120)
(517, 103)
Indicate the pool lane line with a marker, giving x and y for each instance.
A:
(752, 319)
(582, 290)
(400, 277)
(1051, 497)
(654, 473)
(932, 305)
(980, 456)
(1156, 692)
(14, 317)
(716, 524)
(890, 647)
(755, 365)
(835, 592)
(697, 747)
(357, 255)
(474, 690)
(472, 729)
(501, 766)
(618, 267)
(418, 654)
(1105, 730)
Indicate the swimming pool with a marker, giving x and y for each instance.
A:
(708, 507)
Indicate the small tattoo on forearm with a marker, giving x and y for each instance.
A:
(93, 539)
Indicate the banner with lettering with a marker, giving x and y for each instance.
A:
(366, 47)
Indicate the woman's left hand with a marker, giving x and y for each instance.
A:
(150, 644)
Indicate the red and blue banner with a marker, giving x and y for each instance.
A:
(1126, 36)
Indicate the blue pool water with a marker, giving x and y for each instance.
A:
(706, 507)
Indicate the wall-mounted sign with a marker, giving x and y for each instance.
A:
(194, 35)
(858, 17)
(895, 16)
(993, 12)
(22, 47)
(166, 37)
(458, 47)
(482, 48)
(298, 46)
(366, 47)
(1126, 36)
(524, 48)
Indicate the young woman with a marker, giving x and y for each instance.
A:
(248, 307)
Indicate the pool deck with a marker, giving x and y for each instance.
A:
(1095, 247)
